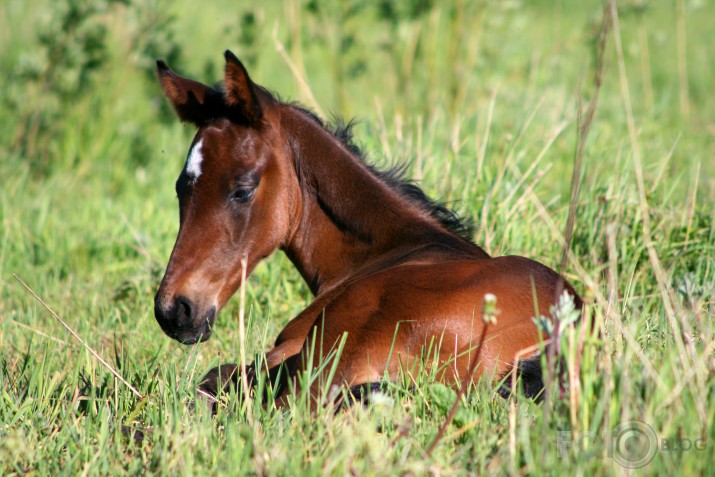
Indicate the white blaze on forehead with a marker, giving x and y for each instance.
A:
(193, 163)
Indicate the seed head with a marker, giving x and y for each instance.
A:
(489, 309)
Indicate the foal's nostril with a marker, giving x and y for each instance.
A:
(183, 320)
(184, 310)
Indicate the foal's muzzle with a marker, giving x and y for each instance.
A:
(182, 320)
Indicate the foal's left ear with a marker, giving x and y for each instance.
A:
(193, 101)
(241, 91)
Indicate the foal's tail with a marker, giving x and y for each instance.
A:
(531, 377)
(529, 370)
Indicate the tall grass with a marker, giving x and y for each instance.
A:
(482, 98)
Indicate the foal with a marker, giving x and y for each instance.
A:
(392, 271)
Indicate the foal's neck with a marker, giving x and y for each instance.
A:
(350, 218)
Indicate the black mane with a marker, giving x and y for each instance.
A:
(395, 178)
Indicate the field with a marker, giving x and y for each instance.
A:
(482, 100)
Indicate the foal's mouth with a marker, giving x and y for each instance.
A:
(194, 339)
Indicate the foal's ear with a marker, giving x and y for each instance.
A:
(193, 101)
(240, 91)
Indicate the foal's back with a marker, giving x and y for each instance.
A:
(390, 317)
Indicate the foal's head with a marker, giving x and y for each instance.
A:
(237, 194)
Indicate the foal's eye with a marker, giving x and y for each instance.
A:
(243, 194)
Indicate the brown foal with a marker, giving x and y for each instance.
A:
(391, 270)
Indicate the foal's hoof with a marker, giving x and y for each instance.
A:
(220, 380)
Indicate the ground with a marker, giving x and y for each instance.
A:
(481, 99)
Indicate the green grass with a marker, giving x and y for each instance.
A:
(88, 217)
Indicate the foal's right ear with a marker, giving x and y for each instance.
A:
(241, 91)
(193, 101)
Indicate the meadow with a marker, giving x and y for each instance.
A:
(481, 99)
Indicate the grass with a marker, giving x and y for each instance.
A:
(483, 103)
